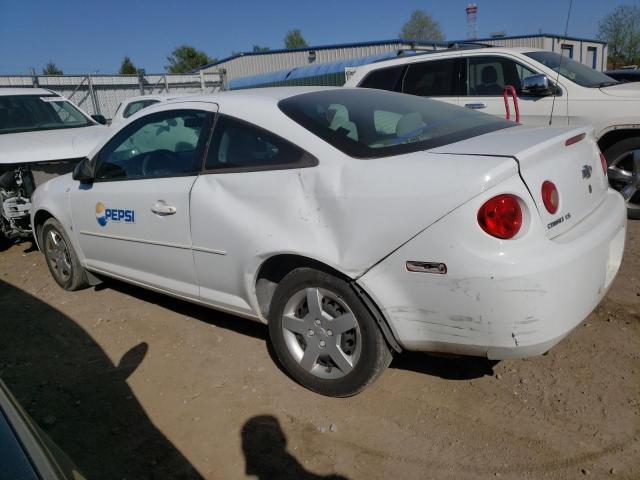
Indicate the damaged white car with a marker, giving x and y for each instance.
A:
(354, 222)
(42, 134)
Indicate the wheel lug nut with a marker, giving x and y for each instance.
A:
(310, 333)
(317, 321)
(322, 343)
(330, 333)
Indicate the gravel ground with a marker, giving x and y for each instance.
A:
(133, 384)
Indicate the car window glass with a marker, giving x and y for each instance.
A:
(25, 113)
(386, 122)
(240, 145)
(367, 123)
(487, 76)
(383, 79)
(135, 107)
(431, 79)
(162, 144)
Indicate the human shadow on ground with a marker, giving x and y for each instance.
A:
(264, 446)
(78, 396)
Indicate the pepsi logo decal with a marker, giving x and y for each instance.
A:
(101, 214)
(105, 215)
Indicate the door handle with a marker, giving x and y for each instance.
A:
(476, 106)
(162, 209)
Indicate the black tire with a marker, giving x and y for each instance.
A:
(365, 340)
(619, 155)
(61, 258)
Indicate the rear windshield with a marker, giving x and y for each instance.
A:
(28, 113)
(367, 123)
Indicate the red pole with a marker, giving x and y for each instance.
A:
(511, 89)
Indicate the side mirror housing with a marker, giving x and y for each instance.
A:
(100, 119)
(538, 85)
(83, 171)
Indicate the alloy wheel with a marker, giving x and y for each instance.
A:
(321, 333)
(624, 176)
(57, 254)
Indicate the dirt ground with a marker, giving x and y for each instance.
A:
(135, 385)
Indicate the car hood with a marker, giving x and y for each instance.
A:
(50, 145)
(626, 90)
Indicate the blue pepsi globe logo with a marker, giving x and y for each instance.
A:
(101, 214)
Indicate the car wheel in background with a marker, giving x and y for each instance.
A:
(324, 336)
(623, 160)
(61, 258)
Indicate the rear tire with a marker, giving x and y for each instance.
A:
(324, 336)
(61, 258)
(623, 161)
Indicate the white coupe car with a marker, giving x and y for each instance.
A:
(354, 222)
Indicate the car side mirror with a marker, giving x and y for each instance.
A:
(100, 119)
(83, 171)
(538, 85)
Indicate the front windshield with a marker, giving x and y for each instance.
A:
(28, 113)
(574, 71)
(368, 123)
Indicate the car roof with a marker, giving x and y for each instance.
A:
(25, 91)
(271, 93)
(446, 53)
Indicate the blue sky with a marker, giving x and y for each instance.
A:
(81, 36)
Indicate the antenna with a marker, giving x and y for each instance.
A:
(472, 21)
(555, 87)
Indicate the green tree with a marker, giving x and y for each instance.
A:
(294, 39)
(127, 67)
(621, 30)
(51, 69)
(186, 58)
(421, 26)
(258, 48)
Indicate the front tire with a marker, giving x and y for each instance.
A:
(623, 161)
(324, 336)
(61, 258)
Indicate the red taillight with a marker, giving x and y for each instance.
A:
(501, 216)
(603, 161)
(550, 196)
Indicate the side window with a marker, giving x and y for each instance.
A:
(135, 107)
(163, 144)
(238, 146)
(383, 79)
(489, 75)
(432, 79)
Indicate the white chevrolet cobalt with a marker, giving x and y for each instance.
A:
(354, 222)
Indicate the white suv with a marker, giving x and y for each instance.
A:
(476, 78)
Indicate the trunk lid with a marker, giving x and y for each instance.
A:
(543, 155)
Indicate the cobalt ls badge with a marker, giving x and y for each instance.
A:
(105, 215)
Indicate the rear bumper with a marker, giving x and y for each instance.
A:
(501, 300)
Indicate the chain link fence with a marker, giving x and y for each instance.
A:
(102, 94)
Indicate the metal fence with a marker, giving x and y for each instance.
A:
(101, 94)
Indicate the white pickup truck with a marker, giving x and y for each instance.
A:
(544, 82)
